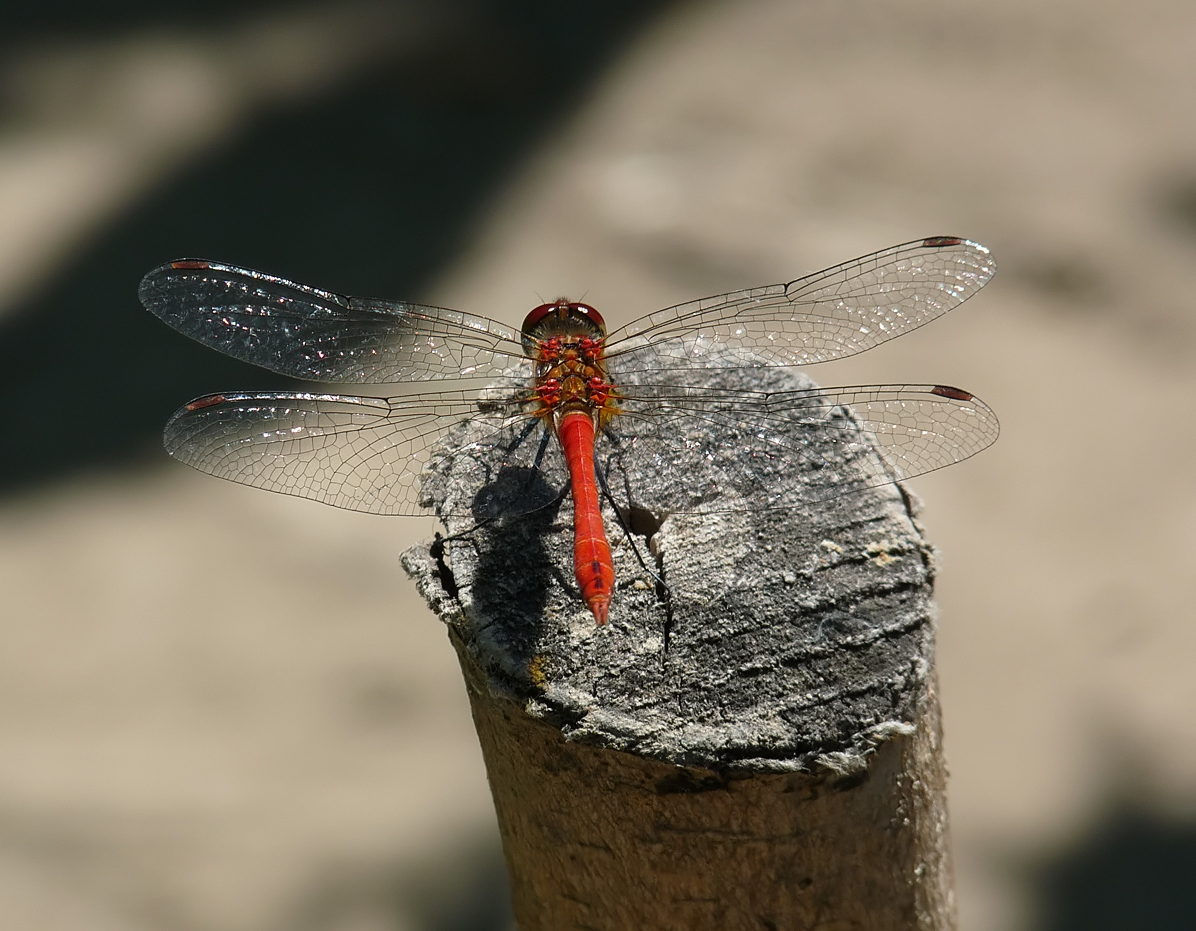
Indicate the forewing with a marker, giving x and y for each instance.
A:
(321, 336)
(364, 454)
(740, 450)
(828, 315)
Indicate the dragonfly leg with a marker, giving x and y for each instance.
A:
(523, 435)
(637, 521)
(519, 489)
(534, 472)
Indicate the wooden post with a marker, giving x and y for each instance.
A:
(760, 749)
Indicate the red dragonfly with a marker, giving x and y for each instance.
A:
(566, 375)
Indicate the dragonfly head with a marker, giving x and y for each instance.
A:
(561, 317)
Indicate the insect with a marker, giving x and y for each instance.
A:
(585, 390)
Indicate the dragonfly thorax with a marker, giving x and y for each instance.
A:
(565, 340)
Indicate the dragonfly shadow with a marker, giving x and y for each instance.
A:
(516, 569)
(513, 492)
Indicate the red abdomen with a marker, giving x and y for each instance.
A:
(592, 564)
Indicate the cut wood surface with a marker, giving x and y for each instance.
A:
(753, 744)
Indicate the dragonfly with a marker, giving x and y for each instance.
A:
(562, 395)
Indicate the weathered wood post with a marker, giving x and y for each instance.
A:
(759, 749)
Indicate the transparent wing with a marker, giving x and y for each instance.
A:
(364, 454)
(716, 449)
(828, 315)
(741, 450)
(317, 335)
(714, 445)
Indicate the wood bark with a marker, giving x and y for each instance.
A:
(755, 743)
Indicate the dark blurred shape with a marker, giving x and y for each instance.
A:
(371, 189)
(460, 888)
(1133, 870)
(53, 20)
(1178, 202)
(472, 893)
(1072, 281)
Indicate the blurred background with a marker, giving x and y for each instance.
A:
(222, 710)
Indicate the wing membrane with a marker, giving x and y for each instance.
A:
(736, 450)
(827, 315)
(321, 336)
(364, 454)
(721, 449)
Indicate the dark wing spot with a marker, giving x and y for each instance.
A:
(936, 241)
(210, 400)
(187, 264)
(956, 394)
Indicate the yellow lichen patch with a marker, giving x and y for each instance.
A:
(537, 671)
(882, 552)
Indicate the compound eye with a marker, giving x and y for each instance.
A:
(590, 314)
(539, 313)
(564, 311)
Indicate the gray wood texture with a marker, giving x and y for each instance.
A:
(757, 748)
